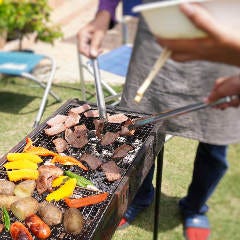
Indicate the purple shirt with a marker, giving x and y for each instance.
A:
(108, 5)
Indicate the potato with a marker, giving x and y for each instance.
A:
(49, 213)
(24, 207)
(73, 221)
(25, 188)
(6, 187)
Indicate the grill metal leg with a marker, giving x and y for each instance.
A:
(158, 193)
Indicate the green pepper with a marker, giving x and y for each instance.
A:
(81, 181)
(6, 218)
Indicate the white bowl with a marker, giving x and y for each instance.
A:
(166, 20)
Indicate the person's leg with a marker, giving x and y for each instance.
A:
(143, 198)
(209, 167)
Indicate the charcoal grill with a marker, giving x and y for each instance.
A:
(101, 220)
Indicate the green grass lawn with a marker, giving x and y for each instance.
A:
(19, 103)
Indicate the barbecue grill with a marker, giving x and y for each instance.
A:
(101, 220)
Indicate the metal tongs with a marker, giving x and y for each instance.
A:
(179, 111)
(100, 96)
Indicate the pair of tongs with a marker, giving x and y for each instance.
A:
(178, 111)
(99, 92)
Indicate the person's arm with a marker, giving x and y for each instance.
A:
(226, 86)
(90, 37)
(221, 44)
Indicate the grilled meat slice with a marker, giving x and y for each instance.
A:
(111, 171)
(92, 161)
(80, 109)
(91, 113)
(99, 125)
(121, 151)
(72, 120)
(109, 138)
(117, 118)
(59, 118)
(80, 130)
(74, 139)
(60, 144)
(55, 129)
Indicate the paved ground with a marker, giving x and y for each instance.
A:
(72, 15)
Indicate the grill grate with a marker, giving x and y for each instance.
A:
(92, 214)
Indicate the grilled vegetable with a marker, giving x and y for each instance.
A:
(41, 151)
(6, 187)
(86, 201)
(5, 218)
(38, 227)
(24, 207)
(16, 175)
(81, 181)
(25, 188)
(49, 213)
(19, 232)
(68, 160)
(24, 156)
(6, 200)
(66, 190)
(21, 164)
(73, 221)
(58, 181)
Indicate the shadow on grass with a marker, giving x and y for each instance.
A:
(169, 215)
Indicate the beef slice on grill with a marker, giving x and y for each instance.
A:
(111, 171)
(60, 144)
(92, 161)
(74, 139)
(72, 119)
(99, 125)
(109, 138)
(91, 113)
(80, 109)
(80, 130)
(121, 151)
(59, 118)
(117, 118)
(56, 129)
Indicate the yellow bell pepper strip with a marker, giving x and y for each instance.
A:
(16, 175)
(21, 164)
(24, 156)
(66, 190)
(41, 151)
(68, 160)
(59, 180)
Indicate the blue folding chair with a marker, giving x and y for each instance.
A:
(22, 64)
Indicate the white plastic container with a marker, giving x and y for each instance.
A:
(166, 20)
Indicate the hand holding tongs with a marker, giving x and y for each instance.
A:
(179, 111)
(100, 96)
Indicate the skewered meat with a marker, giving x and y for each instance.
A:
(59, 118)
(55, 129)
(46, 176)
(80, 109)
(91, 160)
(117, 118)
(50, 214)
(6, 187)
(73, 139)
(121, 151)
(109, 138)
(60, 144)
(111, 171)
(73, 221)
(72, 120)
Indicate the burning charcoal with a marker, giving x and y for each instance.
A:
(72, 119)
(80, 130)
(73, 139)
(92, 161)
(56, 129)
(121, 151)
(111, 171)
(59, 118)
(109, 138)
(91, 113)
(99, 125)
(60, 144)
(80, 109)
(117, 118)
